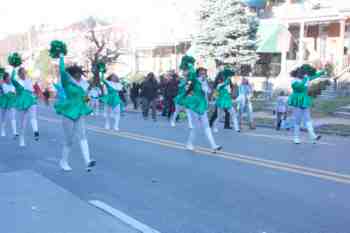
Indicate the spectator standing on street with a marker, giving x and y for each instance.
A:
(135, 94)
(244, 102)
(281, 110)
(149, 94)
(171, 90)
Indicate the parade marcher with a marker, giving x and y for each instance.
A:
(26, 101)
(224, 100)
(94, 94)
(73, 108)
(179, 100)
(197, 101)
(301, 101)
(170, 93)
(7, 103)
(112, 99)
(244, 102)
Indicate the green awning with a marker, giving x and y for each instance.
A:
(272, 37)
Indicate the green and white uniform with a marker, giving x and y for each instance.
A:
(7, 107)
(180, 103)
(113, 102)
(26, 106)
(301, 103)
(224, 102)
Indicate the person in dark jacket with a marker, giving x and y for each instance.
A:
(171, 90)
(149, 94)
(134, 95)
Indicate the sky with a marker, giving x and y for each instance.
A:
(19, 15)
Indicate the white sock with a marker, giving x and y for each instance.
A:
(34, 123)
(117, 120)
(21, 141)
(64, 160)
(210, 137)
(14, 127)
(311, 130)
(84, 146)
(296, 133)
(3, 132)
(191, 138)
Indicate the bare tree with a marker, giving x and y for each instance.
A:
(104, 48)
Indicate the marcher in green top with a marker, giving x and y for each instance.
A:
(112, 100)
(26, 103)
(224, 100)
(301, 101)
(75, 104)
(180, 101)
(197, 101)
(7, 104)
(73, 108)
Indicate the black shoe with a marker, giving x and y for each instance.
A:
(90, 165)
(36, 136)
(15, 136)
(318, 137)
(228, 127)
(219, 148)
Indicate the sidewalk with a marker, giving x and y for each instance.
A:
(31, 203)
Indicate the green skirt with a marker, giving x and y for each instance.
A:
(8, 101)
(180, 100)
(224, 102)
(112, 100)
(300, 100)
(25, 100)
(72, 109)
(197, 104)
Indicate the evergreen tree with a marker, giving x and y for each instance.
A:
(227, 32)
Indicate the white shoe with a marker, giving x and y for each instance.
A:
(172, 124)
(65, 166)
(3, 133)
(190, 147)
(116, 129)
(215, 130)
(21, 142)
(297, 141)
(107, 127)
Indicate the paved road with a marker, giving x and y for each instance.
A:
(260, 183)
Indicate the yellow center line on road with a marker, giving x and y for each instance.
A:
(285, 138)
(275, 165)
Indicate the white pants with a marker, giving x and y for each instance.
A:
(23, 118)
(5, 115)
(73, 129)
(303, 116)
(204, 122)
(178, 109)
(95, 105)
(112, 113)
(221, 113)
(248, 108)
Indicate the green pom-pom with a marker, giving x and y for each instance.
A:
(227, 73)
(186, 61)
(2, 72)
(15, 60)
(101, 67)
(57, 48)
(308, 70)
